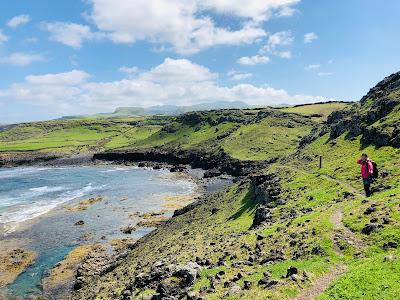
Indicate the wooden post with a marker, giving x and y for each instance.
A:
(320, 161)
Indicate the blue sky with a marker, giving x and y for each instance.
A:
(84, 56)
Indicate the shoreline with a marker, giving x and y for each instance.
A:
(202, 186)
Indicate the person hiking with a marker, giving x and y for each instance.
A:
(367, 171)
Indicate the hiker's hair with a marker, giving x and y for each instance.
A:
(364, 154)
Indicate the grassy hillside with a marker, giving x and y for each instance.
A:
(245, 134)
(317, 111)
(78, 136)
(316, 220)
(292, 214)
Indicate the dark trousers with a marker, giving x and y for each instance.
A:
(367, 186)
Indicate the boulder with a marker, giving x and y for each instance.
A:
(291, 271)
(262, 215)
(188, 272)
(369, 228)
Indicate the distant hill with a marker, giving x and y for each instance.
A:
(164, 110)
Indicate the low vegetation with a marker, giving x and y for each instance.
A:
(278, 233)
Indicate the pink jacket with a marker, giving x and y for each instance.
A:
(367, 168)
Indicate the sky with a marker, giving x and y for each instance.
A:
(69, 57)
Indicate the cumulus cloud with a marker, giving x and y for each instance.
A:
(309, 37)
(73, 77)
(70, 34)
(179, 82)
(21, 59)
(276, 42)
(18, 20)
(3, 37)
(184, 26)
(237, 75)
(178, 70)
(253, 60)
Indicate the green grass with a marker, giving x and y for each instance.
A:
(74, 135)
(187, 137)
(323, 109)
(264, 140)
(339, 159)
(131, 136)
(368, 280)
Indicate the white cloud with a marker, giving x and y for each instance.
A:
(70, 34)
(276, 42)
(129, 70)
(178, 70)
(257, 10)
(312, 67)
(286, 11)
(309, 37)
(284, 54)
(253, 60)
(21, 59)
(3, 37)
(184, 26)
(73, 77)
(163, 84)
(18, 20)
(237, 75)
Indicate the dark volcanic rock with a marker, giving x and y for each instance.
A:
(369, 228)
(262, 215)
(219, 161)
(389, 245)
(291, 271)
(188, 272)
(370, 210)
(356, 120)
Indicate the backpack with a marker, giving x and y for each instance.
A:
(375, 171)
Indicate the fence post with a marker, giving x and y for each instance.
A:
(320, 161)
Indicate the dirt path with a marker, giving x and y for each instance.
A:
(347, 185)
(331, 178)
(321, 284)
(343, 234)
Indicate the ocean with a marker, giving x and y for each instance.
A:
(37, 196)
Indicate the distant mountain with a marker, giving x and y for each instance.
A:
(164, 109)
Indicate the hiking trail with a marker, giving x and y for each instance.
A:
(321, 284)
(341, 234)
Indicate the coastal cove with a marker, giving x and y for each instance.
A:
(55, 212)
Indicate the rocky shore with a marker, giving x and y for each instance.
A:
(14, 258)
(86, 263)
(30, 158)
(215, 163)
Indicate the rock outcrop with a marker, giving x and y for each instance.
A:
(218, 162)
(367, 117)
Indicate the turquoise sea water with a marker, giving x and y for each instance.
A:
(37, 195)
